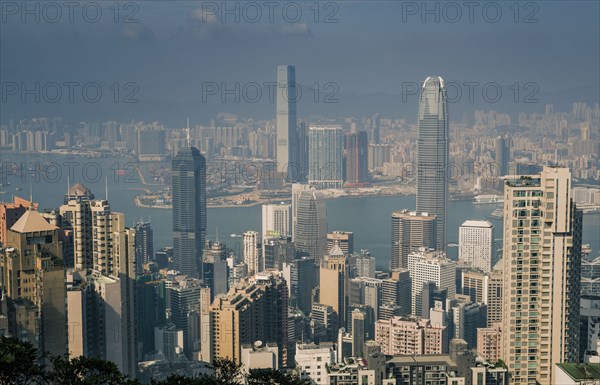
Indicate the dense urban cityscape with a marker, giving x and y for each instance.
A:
(424, 248)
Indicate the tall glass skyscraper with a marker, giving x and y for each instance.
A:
(310, 233)
(325, 157)
(432, 155)
(189, 210)
(287, 133)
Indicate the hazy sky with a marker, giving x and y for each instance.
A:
(368, 50)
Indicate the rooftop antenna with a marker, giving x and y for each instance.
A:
(188, 132)
(106, 187)
(217, 233)
(68, 184)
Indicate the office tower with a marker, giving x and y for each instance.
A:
(151, 308)
(276, 220)
(216, 271)
(475, 244)
(252, 252)
(287, 133)
(168, 341)
(249, 312)
(541, 265)
(428, 266)
(333, 283)
(344, 239)
(367, 292)
(325, 157)
(310, 234)
(589, 346)
(410, 336)
(432, 297)
(358, 333)
(164, 257)
(466, 318)
(324, 323)
(365, 266)
(185, 312)
(297, 188)
(357, 157)
(144, 245)
(276, 252)
(301, 275)
(485, 288)
(237, 271)
(502, 156)
(33, 276)
(432, 155)
(590, 276)
(396, 290)
(303, 150)
(410, 232)
(189, 210)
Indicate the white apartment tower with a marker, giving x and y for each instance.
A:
(475, 244)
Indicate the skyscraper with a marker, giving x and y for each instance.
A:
(432, 155)
(297, 188)
(144, 245)
(425, 267)
(475, 244)
(311, 228)
(334, 283)
(325, 157)
(410, 231)
(357, 157)
(502, 155)
(542, 269)
(287, 135)
(276, 220)
(345, 239)
(189, 210)
(252, 252)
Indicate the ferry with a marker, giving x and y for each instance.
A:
(497, 214)
(488, 199)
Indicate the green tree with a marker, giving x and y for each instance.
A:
(19, 363)
(86, 371)
(274, 377)
(227, 372)
(181, 380)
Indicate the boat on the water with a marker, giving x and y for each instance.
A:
(488, 199)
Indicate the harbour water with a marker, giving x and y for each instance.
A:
(367, 217)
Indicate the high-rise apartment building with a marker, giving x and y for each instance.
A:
(432, 155)
(542, 270)
(250, 312)
(325, 157)
(485, 288)
(186, 307)
(410, 336)
(252, 252)
(475, 244)
(189, 210)
(410, 232)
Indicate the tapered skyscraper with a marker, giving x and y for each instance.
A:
(287, 133)
(432, 155)
(189, 210)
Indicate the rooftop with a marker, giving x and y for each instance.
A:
(32, 221)
(476, 223)
(581, 371)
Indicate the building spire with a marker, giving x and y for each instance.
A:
(217, 233)
(106, 187)
(188, 133)
(30, 195)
